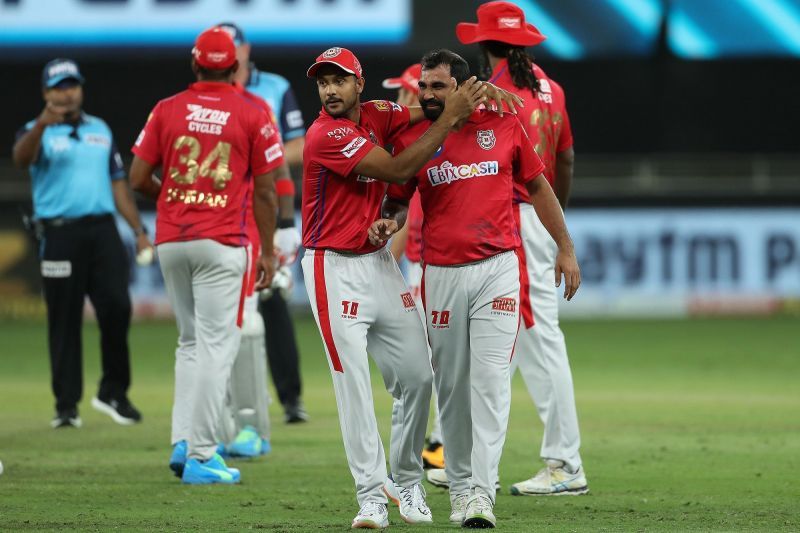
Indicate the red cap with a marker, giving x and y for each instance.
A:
(214, 49)
(499, 21)
(341, 57)
(409, 79)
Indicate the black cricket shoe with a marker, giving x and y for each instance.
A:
(121, 411)
(295, 413)
(68, 418)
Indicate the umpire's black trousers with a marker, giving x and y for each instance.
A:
(284, 361)
(83, 257)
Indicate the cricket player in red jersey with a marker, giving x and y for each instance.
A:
(408, 241)
(471, 282)
(357, 294)
(541, 353)
(211, 143)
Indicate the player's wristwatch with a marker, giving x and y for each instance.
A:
(141, 230)
(284, 223)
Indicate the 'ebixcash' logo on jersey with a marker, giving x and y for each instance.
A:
(206, 120)
(448, 173)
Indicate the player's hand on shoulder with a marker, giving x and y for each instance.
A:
(496, 97)
(567, 264)
(382, 230)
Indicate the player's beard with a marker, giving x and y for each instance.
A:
(341, 107)
(432, 108)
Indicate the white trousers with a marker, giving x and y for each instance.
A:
(204, 282)
(472, 316)
(361, 304)
(541, 353)
(414, 281)
(247, 402)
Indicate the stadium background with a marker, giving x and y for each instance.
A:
(686, 203)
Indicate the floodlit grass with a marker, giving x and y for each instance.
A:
(686, 425)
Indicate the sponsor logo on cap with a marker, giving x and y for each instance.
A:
(217, 57)
(62, 68)
(331, 52)
(509, 22)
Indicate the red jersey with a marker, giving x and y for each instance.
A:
(414, 223)
(545, 119)
(210, 141)
(338, 204)
(466, 189)
(252, 228)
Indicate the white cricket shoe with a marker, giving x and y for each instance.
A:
(458, 507)
(437, 477)
(390, 489)
(552, 480)
(372, 515)
(479, 513)
(413, 509)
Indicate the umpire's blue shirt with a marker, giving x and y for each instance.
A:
(278, 93)
(72, 174)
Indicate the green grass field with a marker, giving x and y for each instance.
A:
(686, 425)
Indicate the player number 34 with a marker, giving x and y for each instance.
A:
(221, 155)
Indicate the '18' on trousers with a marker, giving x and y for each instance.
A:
(204, 281)
(362, 305)
(472, 313)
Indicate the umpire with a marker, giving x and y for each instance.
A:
(77, 179)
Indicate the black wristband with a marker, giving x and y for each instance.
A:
(284, 223)
(138, 232)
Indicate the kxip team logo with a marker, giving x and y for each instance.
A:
(486, 139)
(408, 301)
(331, 52)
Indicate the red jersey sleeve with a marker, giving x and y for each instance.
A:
(393, 117)
(527, 164)
(338, 148)
(564, 140)
(267, 154)
(148, 143)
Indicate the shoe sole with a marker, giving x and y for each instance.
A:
(106, 409)
(568, 492)
(71, 423)
(478, 522)
(368, 524)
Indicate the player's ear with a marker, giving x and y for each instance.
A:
(194, 66)
(235, 67)
(359, 85)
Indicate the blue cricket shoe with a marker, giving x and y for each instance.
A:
(177, 460)
(248, 443)
(214, 470)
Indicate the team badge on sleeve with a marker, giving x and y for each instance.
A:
(486, 139)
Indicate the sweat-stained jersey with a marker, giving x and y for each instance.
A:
(466, 188)
(210, 141)
(545, 119)
(338, 204)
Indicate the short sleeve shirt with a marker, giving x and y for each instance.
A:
(339, 205)
(545, 119)
(466, 189)
(72, 174)
(210, 141)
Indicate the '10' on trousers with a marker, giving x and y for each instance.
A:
(362, 305)
(472, 315)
